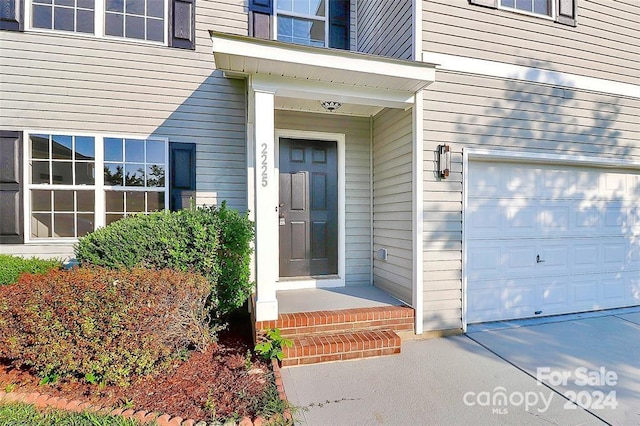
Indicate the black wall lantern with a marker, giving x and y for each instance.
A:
(444, 161)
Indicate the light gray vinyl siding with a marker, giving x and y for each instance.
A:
(384, 27)
(358, 188)
(473, 111)
(65, 83)
(603, 45)
(392, 189)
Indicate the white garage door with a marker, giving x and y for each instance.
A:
(545, 240)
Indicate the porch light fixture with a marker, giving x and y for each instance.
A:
(444, 161)
(330, 106)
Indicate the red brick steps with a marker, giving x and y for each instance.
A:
(338, 335)
(312, 349)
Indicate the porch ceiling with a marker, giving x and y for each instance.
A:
(310, 105)
(305, 68)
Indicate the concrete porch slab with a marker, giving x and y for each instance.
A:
(324, 299)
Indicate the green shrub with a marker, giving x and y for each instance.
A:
(11, 267)
(213, 242)
(102, 325)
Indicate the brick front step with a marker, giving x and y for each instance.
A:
(340, 346)
(396, 318)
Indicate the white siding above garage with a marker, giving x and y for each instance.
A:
(550, 239)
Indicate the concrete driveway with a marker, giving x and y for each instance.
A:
(487, 377)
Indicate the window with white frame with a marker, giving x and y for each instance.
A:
(64, 187)
(303, 22)
(134, 176)
(130, 19)
(537, 7)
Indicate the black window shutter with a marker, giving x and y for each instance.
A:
(262, 6)
(12, 15)
(260, 12)
(339, 25)
(182, 166)
(182, 23)
(11, 188)
(567, 12)
(486, 3)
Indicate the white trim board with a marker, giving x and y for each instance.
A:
(339, 138)
(530, 74)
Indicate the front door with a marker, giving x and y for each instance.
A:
(308, 208)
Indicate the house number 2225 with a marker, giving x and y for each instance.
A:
(263, 165)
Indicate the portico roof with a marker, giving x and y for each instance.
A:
(292, 69)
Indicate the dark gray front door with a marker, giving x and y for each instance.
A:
(308, 208)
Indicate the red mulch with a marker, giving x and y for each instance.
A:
(216, 379)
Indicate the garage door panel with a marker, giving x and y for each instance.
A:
(585, 294)
(552, 294)
(584, 223)
(521, 218)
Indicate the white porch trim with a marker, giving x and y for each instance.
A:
(418, 211)
(265, 186)
(340, 280)
(275, 69)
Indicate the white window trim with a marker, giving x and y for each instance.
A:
(98, 187)
(324, 18)
(550, 17)
(99, 27)
(339, 138)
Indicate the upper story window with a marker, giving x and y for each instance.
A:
(64, 15)
(538, 7)
(303, 21)
(321, 23)
(563, 12)
(130, 19)
(140, 19)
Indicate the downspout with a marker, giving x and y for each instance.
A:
(371, 198)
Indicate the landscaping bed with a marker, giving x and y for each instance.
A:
(220, 383)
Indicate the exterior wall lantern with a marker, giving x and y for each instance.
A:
(444, 161)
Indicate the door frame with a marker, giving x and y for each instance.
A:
(339, 138)
(528, 157)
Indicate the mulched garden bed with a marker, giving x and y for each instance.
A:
(218, 383)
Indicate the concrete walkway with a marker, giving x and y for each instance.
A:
(485, 378)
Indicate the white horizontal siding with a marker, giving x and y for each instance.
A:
(62, 82)
(473, 111)
(603, 45)
(384, 27)
(358, 187)
(392, 189)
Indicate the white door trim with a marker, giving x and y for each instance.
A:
(470, 154)
(339, 138)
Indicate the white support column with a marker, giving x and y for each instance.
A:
(418, 217)
(265, 201)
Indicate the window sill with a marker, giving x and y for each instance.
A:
(110, 39)
(53, 241)
(524, 12)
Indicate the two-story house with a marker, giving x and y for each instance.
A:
(478, 160)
